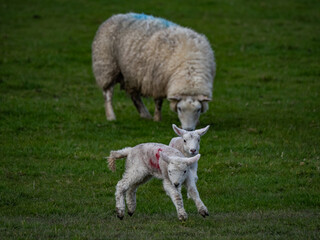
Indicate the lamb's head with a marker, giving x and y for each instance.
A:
(189, 109)
(178, 168)
(191, 139)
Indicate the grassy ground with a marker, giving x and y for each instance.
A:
(259, 174)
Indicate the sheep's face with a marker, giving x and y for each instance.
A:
(189, 109)
(189, 112)
(191, 140)
(177, 173)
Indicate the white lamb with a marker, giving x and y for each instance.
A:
(156, 58)
(188, 143)
(149, 160)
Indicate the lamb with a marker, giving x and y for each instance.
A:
(153, 57)
(188, 143)
(149, 160)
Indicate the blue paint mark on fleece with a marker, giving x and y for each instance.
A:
(145, 17)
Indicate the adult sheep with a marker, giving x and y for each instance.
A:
(153, 57)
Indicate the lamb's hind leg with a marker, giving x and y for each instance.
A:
(108, 93)
(129, 179)
(131, 195)
(157, 111)
(143, 111)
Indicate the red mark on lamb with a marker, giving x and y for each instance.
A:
(156, 164)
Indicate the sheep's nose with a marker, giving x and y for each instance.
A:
(176, 185)
(193, 151)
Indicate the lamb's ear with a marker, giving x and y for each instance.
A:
(165, 158)
(178, 131)
(203, 131)
(173, 102)
(194, 159)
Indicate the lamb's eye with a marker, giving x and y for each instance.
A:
(179, 109)
(185, 171)
(199, 110)
(184, 140)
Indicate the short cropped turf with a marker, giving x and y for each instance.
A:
(259, 173)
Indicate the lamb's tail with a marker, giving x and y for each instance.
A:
(114, 155)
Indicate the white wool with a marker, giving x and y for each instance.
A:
(149, 160)
(152, 57)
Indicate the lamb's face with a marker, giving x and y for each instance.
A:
(189, 110)
(191, 143)
(177, 173)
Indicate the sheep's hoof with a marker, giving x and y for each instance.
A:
(130, 213)
(120, 217)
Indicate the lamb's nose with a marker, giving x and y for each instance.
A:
(176, 184)
(193, 151)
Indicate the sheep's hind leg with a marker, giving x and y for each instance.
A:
(143, 111)
(157, 111)
(107, 93)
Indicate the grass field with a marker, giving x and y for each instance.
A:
(259, 174)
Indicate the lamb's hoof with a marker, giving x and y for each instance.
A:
(183, 217)
(120, 214)
(130, 213)
(204, 212)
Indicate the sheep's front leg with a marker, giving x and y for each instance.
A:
(157, 111)
(143, 111)
(176, 198)
(194, 194)
(108, 103)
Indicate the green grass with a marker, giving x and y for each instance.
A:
(259, 174)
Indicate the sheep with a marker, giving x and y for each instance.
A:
(153, 57)
(148, 160)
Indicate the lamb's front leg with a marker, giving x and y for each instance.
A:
(194, 194)
(176, 198)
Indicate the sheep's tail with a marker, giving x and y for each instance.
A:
(114, 155)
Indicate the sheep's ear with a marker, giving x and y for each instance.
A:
(204, 106)
(178, 131)
(202, 98)
(203, 131)
(165, 158)
(204, 102)
(194, 159)
(173, 102)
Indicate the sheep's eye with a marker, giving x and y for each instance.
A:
(185, 171)
(199, 110)
(179, 109)
(184, 140)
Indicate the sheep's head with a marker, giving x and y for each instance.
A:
(189, 109)
(178, 168)
(191, 139)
